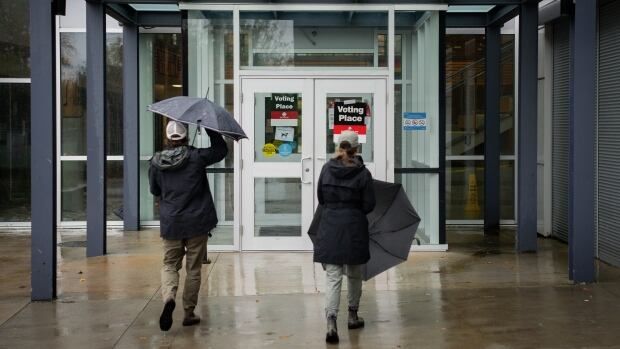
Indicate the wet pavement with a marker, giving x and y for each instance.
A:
(479, 294)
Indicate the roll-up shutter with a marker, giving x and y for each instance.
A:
(561, 72)
(609, 134)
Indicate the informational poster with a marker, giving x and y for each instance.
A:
(284, 109)
(350, 116)
(414, 121)
(285, 133)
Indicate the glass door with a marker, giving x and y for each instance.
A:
(277, 163)
(352, 104)
(293, 125)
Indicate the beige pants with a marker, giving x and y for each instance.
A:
(194, 250)
(333, 285)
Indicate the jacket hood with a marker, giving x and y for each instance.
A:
(171, 159)
(339, 170)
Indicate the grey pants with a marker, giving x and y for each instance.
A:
(333, 285)
(194, 250)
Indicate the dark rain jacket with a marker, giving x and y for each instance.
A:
(347, 195)
(177, 176)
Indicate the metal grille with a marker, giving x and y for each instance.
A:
(609, 134)
(561, 74)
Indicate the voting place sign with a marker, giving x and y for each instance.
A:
(350, 116)
(284, 110)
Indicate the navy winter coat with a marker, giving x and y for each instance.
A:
(347, 195)
(177, 176)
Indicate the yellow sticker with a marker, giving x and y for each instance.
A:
(269, 150)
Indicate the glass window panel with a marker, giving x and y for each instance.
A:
(277, 127)
(277, 207)
(382, 49)
(76, 16)
(114, 93)
(366, 145)
(222, 188)
(73, 93)
(114, 190)
(161, 77)
(211, 69)
(507, 101)
(417, 146)
(324, 39)
(464, 189)
(398, 53)
(73, 190)
(422, 189)
(210, 52)
(148, 208)
(15, 152)
(14, 39)
(465, 83)
(507, 189)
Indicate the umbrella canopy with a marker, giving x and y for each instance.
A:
(392, 226)
(200, 112)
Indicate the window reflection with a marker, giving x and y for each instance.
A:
(73, 93)
(324, 39)
(14, 152)
(465, 112)
(14, 39)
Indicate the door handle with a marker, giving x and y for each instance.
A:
(303, 170)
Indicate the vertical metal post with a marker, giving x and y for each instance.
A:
(96, 130)
(492, 130)
(582, 133)
(43, 149)
(527, 139)
(185, 51)
(131, 128)
(442, 127)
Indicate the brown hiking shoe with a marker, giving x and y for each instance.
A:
(190, 319)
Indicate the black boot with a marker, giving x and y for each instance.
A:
(165, 320)
(354, 320)
(332, 330)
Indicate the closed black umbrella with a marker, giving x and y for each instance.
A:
(392, 226)
(200, 112)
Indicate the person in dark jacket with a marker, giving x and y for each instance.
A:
(187, 214)
(346, 193)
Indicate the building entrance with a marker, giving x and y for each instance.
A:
(293, 124)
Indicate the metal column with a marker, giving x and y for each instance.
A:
(581, 230)
(442, 127)
(96, 133)
(527, 119)
(43, 149)
(131, 129)
(492, 130)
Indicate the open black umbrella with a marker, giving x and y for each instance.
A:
(392, 226)
(200, 112)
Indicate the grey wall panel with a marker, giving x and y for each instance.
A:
(561, 74)
(609, 134)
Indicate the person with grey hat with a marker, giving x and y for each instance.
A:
(187, 214)
(346, 194)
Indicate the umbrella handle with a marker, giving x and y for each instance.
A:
(195, 133)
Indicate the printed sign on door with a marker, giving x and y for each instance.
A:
(284, 110)
(350, 116)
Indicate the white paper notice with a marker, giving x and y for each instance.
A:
(330, 118)
(285, 134)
